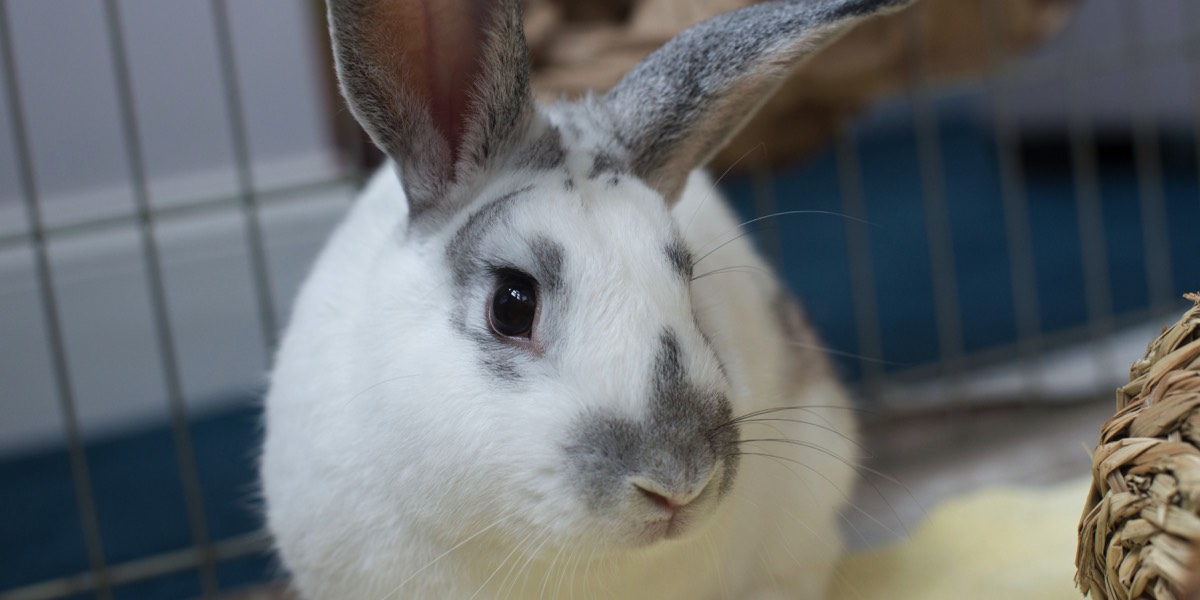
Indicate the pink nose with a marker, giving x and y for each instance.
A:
(666, 502)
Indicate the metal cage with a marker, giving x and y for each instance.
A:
(1000, 242)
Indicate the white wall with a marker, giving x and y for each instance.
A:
(67, 87)
(69, 95)
(103, 300)
(1123, 57)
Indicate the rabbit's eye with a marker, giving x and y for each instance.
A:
(514, 306)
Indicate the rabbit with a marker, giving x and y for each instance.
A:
(537, 359)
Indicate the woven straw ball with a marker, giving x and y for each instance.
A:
(1140, 530)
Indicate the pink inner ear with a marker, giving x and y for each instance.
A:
(441, 44)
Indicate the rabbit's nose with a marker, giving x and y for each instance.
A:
(670, 499)
(668, 503)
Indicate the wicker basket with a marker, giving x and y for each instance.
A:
(1140, 530)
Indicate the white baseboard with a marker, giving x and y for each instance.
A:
(104, 304)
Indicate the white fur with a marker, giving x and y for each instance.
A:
(395, 468)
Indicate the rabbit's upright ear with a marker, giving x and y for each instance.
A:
(677, 107)
(440, 85)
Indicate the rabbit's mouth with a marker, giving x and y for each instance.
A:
(673, 519)
(668, 528)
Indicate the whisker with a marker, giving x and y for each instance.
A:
(841, 576)
(845, 497)
(611, 565)
(802, 407)
(857, 467)
(716, 563)
(758, 146)
(378, 384)
(754, 415)
(576, 555)
(852, 526)
(587, 568)
(784, 213)
(762, 558)
(447, 553)
(784, 541)
(524, 570)
(749, 270)
(550, 571)
(501, 565)
(865, 453)
(844, 354)
(809, 445)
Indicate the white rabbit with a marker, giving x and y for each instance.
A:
(508, 376)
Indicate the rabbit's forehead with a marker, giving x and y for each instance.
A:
(603, 223)
(608, 251)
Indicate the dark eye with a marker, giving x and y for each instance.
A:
(514, 306)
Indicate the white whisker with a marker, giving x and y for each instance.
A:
(844, 354)
(524, 570)
(447, 553)
(550, 571)
(713, 188)
(864, 452)
(378, 384)
(842, 493)
(501, 565)
(825, 213)
(748, 270)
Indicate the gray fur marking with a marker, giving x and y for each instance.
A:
(607, 164)
(546, 152)
(680, 258)
(548, 255)
(497, 357)
(678, 443)
(460, 252)
(682, 103)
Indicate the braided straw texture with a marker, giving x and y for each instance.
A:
(1141, 523)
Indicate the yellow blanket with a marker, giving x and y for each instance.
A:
(1001, 544)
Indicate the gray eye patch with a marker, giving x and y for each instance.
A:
(474, 259)
(463, 252)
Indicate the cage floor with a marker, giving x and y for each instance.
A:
(930, 458)
(140, 505)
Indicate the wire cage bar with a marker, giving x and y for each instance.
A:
(185, 455)
(52, 321)
(865, 351)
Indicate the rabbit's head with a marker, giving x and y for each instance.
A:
(509, 344)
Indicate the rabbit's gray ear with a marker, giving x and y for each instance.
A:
(441, 86)
(677, 107)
